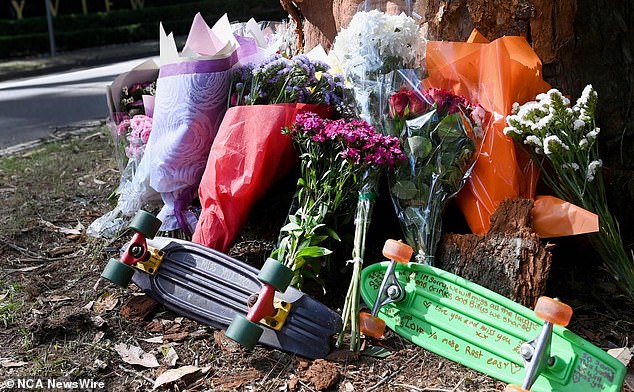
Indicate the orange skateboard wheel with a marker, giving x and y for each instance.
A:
(371, 326)
(553, 311)
(515, 388)
(397, 251)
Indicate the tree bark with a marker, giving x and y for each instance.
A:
(510, 259)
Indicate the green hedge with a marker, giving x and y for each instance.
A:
(30, 36)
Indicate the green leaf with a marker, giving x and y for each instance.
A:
(315, 240)
(450, 128)
(404, 190)
(332, 234)
(420, 147)
(313, 251)
(292, 226)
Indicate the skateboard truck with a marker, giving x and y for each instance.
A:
(536, 353)
(137, 253)
(247, 330)
(390, 290)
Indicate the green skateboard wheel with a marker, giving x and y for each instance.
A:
(244, 331)
(276, 274)
(118, 273)
(146, 224)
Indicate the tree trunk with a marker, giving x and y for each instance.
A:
(510, 259)
(579, 42)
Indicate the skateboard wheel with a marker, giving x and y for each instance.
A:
(276, 274)
(371, 326)
(515, 388)
(146, 224)
(553, 311)
(244, 331)
(118, 273)
(397, 251)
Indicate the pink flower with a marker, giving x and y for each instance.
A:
(123, 127)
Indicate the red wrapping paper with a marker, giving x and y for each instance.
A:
(248, 155)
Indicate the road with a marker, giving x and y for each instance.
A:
(33, 108)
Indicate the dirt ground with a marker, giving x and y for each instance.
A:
(59, 320)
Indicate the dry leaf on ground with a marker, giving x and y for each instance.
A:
(136, 356)
(174, 375)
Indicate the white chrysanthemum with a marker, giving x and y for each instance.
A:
(372, 37)
(594, 133)
(573, 166)
(592, 169)
(552, 142)
(578, 124)
(533, 140)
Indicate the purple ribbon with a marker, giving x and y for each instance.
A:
(198, 66)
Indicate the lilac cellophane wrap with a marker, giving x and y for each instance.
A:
(191, 99)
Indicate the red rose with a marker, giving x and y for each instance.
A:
(398, 103)
(417, 104)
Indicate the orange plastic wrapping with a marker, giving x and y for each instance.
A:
(497, 74)
(248, 155)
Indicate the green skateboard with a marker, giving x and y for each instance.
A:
(469, 324)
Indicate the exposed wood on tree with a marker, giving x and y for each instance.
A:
(510, 259)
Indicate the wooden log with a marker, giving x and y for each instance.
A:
(510, 259)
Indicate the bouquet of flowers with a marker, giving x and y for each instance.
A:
(335, 154)
(563, 141)
(131, 100)
(136, 131)
(439, 132)
(250, 152)
(374, 44)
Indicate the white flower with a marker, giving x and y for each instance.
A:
(583, 142)
(592, 169)
(585, 96)
(533, 140)
(573, 166)
(578, 124)
(515, 108)
(552, 142)
(477, 115)
(373, 37)
(593, 134)
(509, 131)
(544, 121)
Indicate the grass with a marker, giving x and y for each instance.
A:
(10, 306)
(36, 180)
